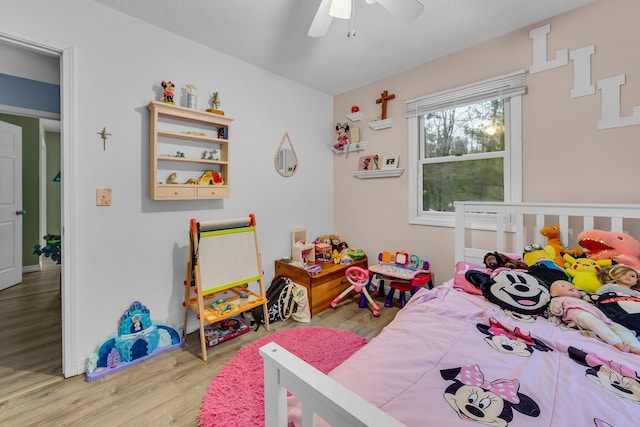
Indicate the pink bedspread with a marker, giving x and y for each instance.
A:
(454, 359)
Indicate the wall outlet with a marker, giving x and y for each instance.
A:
(103, 197)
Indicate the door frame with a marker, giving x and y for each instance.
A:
(70, 364)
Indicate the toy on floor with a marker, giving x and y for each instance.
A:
(403, 286)
(138, 338)
(359, 279)
(406, 273)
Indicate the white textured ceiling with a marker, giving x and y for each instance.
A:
(272, 34)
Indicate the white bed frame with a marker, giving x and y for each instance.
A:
(514, 227)
(318, 393)
(517, 225)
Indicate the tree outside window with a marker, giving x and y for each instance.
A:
(463, 155)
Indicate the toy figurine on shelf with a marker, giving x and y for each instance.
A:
(192, 98)
(169, 89)
(343, 139)
(210, 178)
(211, 155)
(172, 178)
(215, 104)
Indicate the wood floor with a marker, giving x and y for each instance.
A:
(30, 336)
(165, 390)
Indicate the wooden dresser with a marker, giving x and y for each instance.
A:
(323, 287)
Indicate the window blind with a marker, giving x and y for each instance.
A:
(497, 87)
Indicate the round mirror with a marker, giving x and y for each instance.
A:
(285, 160)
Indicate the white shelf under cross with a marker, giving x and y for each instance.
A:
(382, 124)
(383, 173)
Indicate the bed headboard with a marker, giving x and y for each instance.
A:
(516, 225)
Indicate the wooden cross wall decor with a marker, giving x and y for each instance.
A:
(384, 97)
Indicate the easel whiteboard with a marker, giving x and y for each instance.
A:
(227, 257)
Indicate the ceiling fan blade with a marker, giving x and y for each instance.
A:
(407, 10)
(321, 21)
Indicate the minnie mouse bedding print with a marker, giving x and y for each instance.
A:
(451, 358)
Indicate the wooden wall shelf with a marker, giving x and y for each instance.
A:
(174, 129)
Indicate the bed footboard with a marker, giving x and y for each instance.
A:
(318, 393)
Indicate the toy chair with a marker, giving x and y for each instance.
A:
(359, 279)
(404, 286)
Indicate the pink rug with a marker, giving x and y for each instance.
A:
(236, 394)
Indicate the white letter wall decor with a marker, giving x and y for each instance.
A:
(582, 71)
(610, 96)
(581, 58)
(540, 63)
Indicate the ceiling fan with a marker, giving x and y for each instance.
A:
(407, 10)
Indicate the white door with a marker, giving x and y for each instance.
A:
(10, 205)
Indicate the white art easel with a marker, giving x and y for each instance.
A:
(223, 259)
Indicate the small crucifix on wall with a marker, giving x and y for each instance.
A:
(103, 134)
(384, 97)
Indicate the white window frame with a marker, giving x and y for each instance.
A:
(510, 87)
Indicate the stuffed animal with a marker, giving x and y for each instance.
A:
(552, 233)
(494, 260)
(343, 139)
(619, 247)
(541, 264)
(584, 272)
(512, 290)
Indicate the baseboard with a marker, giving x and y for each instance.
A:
(30, 268)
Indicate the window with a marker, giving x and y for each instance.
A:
(465, 144)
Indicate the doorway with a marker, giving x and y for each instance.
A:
(66, 54)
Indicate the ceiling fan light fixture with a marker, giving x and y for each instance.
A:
(340, 9)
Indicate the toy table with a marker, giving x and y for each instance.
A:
(401, 277)
(396, 271)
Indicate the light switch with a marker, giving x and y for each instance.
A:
(103, 197)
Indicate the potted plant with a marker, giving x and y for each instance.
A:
(52, 248)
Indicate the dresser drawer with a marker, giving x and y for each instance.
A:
(171, 192)
(212, 191)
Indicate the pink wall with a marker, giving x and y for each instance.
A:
(566, 157)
